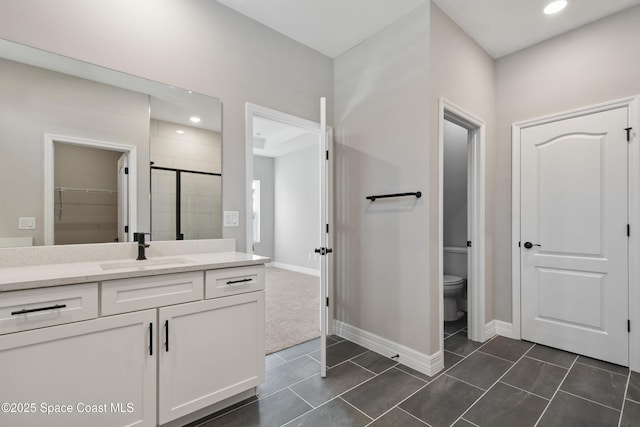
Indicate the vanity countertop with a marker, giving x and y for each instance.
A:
(42, 276)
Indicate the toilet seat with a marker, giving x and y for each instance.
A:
(448, 280)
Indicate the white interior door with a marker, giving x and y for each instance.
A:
(325, 242)
(574, 243)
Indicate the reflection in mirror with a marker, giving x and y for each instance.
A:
(88, 116)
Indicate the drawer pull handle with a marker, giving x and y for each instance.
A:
(166, 335)
(233, 282)
(33, 310)
(150, 339)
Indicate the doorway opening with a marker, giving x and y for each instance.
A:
(461, 223)
(75, 193)
(283, 222)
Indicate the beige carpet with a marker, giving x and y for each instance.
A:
(292, 308)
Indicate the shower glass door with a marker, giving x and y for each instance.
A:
(185, 204)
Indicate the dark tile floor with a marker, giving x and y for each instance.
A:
(502, 382)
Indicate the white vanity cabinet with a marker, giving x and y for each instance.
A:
(209, 351)
(92, 373)
(154, 348)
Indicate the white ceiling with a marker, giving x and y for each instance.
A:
(274, 139)
(500, 26)
(329, 26)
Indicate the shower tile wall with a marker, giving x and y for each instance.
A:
(194, 150)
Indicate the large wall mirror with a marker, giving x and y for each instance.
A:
(91, 155)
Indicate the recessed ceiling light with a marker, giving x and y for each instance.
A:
(195, 119)
(555, 7)
(179, 131)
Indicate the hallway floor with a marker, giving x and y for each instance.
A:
(502, 382)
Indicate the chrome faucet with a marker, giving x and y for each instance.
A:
(139, 237)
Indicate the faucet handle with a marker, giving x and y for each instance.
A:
(139, 237)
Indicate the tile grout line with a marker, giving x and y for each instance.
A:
(498, 357)
(353, 406)
(526, 391)
(369, 370)
(414, 376)
(443, 373)
(549, 363)
(411, 415)
(492, 385)
(624, 400)
(468, 383)
(556, 392)
(592, 401)
(303, 399)
(474, 424)
(397, 405)
(305, 413)
(292, 384)
(601, 369)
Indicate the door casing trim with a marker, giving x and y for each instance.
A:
(476, 218)
(254, 110)
(131, 152)
(633, 188)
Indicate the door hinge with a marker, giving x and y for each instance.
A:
(327, 301)
(468, 243)
(628, 134)
(628, 230)
(628, 325)
(126, 228)
(327, 154)
(126, 171)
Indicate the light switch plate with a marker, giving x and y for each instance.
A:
(26, 223)
(231, 218)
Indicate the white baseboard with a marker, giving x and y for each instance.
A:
(428, 365)
(498, 327)
(296, 268)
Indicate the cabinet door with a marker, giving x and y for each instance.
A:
(209, 350)
(93, 373)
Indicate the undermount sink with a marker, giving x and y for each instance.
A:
(143, 264)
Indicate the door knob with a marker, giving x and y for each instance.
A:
(529, 245)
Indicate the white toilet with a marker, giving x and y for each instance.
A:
(453, 286)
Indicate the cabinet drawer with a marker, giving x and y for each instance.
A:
(141, 293)
(37, 308)
(231, 281)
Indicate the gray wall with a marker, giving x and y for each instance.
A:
(381, 137)
(297, 207)
(33, 102)
(195, 44)
(463, 73)
(595, 63)
(263, 169)
(455, 185)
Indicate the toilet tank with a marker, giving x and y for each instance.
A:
(455, 261)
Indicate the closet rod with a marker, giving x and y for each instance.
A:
(418, 194)
(86, 190)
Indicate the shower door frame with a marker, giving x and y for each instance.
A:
(179, 234)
